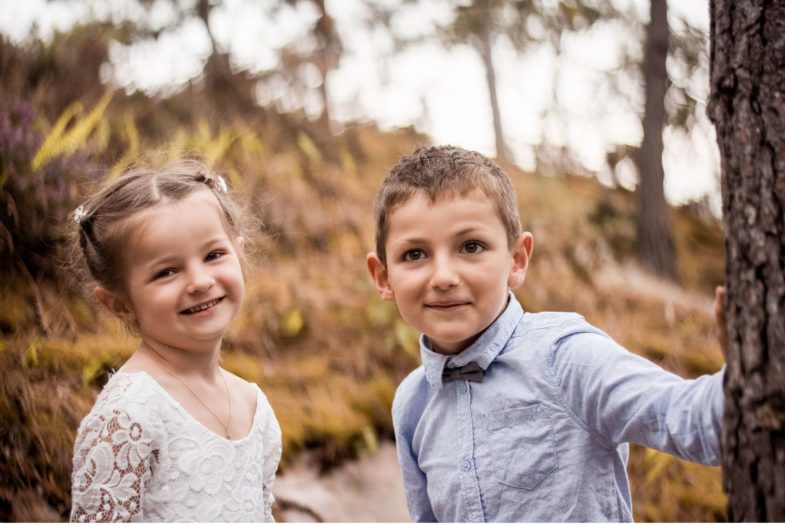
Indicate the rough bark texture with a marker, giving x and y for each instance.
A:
(655, 244)
(747, 106)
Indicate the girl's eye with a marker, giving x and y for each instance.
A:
(414, 254)
(473, 247)
(215, 254)
(165, 273)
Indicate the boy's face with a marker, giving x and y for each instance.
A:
(449, 267)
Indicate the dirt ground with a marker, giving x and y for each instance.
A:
(365, 490)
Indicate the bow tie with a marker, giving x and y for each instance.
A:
(471, 372)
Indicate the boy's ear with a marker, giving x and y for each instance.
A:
(379, 275)
(116, 304)
(521, 255)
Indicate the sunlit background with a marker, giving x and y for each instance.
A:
(304, 105)
(394, 69)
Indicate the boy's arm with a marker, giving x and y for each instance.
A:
(415, 484)
(622, 397)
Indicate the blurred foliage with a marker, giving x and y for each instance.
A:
(313, 334)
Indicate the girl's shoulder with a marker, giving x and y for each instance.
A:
(129, 386)
(133, 396)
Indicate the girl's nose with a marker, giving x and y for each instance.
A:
(199, 280)
(444, 274)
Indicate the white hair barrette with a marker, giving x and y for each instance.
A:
(79, 214)
(220, 182)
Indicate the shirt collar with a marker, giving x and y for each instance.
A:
(482, 351)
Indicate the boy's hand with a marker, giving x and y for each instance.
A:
(719, 319)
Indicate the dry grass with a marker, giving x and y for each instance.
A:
(325, 350)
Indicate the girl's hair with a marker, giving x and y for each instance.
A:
(102, 222)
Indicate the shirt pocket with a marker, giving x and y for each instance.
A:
(523, 445)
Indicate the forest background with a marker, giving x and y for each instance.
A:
(313, 334)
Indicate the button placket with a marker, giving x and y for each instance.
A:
(470, 486)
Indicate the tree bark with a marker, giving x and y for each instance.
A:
(655, 244)
(747, 106)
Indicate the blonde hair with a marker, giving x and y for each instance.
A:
(444, 171)
(102, 223)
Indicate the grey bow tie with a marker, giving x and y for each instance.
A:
(471, 372)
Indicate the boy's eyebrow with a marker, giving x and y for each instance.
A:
(467, 230)
(422, 241)
(410, 241)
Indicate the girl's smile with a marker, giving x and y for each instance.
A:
(202, 308)
(184, 280)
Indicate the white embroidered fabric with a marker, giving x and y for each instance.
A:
(139, 456)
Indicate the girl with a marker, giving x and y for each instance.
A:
(172, 436)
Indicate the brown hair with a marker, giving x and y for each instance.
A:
(444, 171)
(102, 221)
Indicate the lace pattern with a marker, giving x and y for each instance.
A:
(139, 456)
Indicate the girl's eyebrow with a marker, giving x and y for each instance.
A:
(168, 258)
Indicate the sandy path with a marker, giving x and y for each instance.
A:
(365, 490)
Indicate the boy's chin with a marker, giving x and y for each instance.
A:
(449, 348)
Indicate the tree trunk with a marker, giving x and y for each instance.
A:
(655, 245)
(747, 106)
(327, 57)
(486, 52)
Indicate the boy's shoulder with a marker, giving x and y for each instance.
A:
(414, 387)
(551, 327)
(540, 321)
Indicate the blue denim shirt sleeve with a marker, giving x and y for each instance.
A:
(622, 397)
(415, 487)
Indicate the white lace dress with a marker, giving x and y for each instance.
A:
(139, 456)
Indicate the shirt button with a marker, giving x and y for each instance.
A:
(464, 388)
(467, 464)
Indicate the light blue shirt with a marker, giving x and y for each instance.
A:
(545, 436)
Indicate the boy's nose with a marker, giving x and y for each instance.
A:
(444, 275)
(199, 281)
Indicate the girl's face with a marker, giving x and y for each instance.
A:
(184, 283)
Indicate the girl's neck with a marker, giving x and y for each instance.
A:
(183, 362)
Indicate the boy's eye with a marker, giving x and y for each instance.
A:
(473, 247)
(215, 254)
(414, 254)
(165, 273)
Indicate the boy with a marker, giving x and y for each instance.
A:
(512, 417)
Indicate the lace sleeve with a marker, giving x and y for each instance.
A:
(272, 455)
(113, 461)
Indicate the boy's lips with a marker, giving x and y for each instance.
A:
(446, 305)
(202, 306)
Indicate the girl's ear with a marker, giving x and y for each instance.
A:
(379, 275)
(116, 304)
(521, 255)
(239, 243)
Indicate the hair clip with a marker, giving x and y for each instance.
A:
(221, 183)
(79, 214)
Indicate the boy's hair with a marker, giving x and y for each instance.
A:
(102, 222)
(444, 171)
